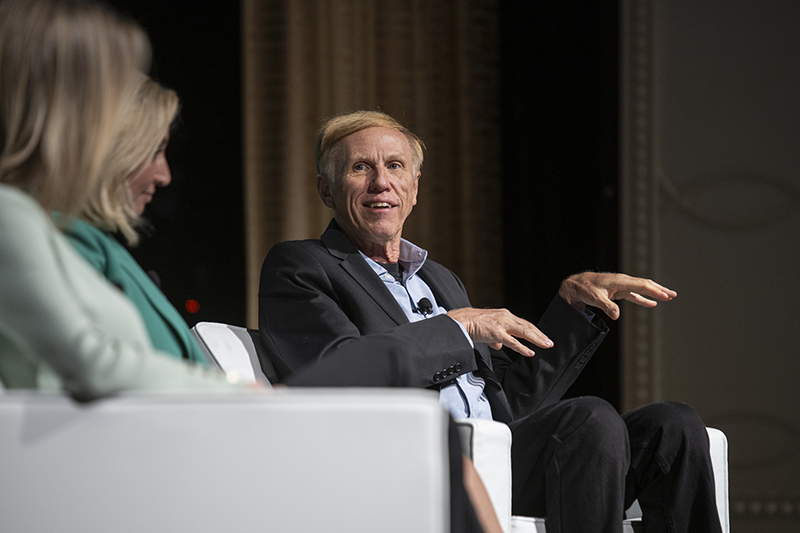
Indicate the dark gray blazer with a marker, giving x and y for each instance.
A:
(318, 298)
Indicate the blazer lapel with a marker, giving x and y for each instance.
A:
(158, 299)
(448, 293)
(339, 246)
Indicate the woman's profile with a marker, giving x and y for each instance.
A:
(69, 72)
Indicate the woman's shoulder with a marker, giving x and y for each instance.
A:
(21, 215)
(15, 200)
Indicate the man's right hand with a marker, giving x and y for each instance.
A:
(498, 328)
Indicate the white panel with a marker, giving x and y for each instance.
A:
(295, 461)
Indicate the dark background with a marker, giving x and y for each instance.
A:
(559, 128)
(559, 136)
(197, 240)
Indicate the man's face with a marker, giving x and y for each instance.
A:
(377, 187)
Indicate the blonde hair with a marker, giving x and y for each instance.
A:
(339, 127)
(110, 205)
(67, 73)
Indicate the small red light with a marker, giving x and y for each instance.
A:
(192, 306)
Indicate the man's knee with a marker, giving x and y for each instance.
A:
(679, 418)
(677, 422)
(602, 426)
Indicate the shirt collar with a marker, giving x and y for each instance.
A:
(412, 257)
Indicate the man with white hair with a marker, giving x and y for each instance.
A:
(577, 462)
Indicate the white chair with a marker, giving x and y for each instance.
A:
(486, 442)
(299, 461)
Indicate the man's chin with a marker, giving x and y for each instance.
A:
(375, 234)
(383, 232)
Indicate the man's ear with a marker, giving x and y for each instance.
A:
(416, 187)
(324, 189)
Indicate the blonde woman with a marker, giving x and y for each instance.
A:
(69, 71)
(115, 207)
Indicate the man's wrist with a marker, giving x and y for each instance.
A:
(569, 293)
(463, 330)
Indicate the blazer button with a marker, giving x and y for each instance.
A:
(458, 367)
(437, 376)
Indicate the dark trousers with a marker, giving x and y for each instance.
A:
(579, 464)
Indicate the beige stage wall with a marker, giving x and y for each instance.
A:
(711, 207)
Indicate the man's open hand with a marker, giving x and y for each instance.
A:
(600, 289)
(499, 327)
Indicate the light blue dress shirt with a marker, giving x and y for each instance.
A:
(465, 398)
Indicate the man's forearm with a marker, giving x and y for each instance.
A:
(531, 383)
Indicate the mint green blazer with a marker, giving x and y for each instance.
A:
(64, 327)
(168, 331)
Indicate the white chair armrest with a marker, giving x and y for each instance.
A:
(488, 444)
(719, 461)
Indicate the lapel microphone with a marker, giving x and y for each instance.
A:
(424, 307)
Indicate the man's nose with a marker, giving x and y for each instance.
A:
(380, 180)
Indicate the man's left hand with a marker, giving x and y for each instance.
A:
(600, 289)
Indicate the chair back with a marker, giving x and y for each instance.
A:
(235, 349)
